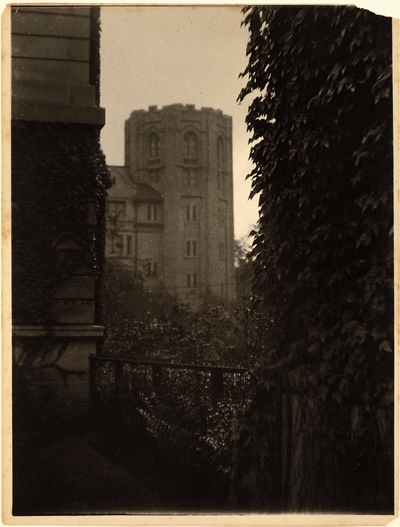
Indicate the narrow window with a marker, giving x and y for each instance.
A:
(222, 250)
(191, 213)
(190, 145)
(191, 248)
(128, 245)
(154, 176)
(194, 280)
(222, 216)
(112, 245)
(151, 212)
(190, 178)
(223, 183)
(155, 272)
(221, 165)
(154, 146)
(188, 280)
(116, 210)
(117, 244)
(220, 153)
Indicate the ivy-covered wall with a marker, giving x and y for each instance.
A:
(59, 176)
(321, 115)
(56, 177)
(59, 182)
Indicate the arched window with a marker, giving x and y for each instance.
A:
(190, 145)
(153, 146)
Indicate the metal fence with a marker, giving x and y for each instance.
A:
(193, 408)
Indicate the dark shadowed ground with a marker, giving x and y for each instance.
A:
(94, 467)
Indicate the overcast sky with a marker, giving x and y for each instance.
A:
(165, 55)
(153, 55)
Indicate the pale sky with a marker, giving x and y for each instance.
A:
(165, 55)
(160, 55)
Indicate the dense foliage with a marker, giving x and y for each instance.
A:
(176, 406)
(58, 170)
(321, 122)
(151, 325)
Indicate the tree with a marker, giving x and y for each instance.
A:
(243, 267)
(321, 123)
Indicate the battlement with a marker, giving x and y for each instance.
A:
(182, 107)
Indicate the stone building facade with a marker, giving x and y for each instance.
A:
(56, 163)
(135, 225)
(179, 213)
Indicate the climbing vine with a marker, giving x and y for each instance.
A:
(59, 174)
(321, 122)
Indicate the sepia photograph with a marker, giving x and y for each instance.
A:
(203, 279)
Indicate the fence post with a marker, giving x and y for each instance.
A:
(217, 385)
(94, 395)
(156, 376)
(118, 379)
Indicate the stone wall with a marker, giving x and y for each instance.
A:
(56, 168)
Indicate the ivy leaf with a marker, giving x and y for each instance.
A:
(385, 346)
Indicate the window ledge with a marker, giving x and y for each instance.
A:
(69, 330)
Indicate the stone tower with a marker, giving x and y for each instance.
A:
(186, 155)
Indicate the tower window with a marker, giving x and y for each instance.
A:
(191, 280)
(190, 145)
(152, 212)
(128, 245)
(221, 166)
(191, 212)
(222, 251)
(153, 146)
(154, 176)
(221, 155)
(222, 216)
(151, 269)
(221, 181)
(116, 245)
(191, 248)
(190, 178)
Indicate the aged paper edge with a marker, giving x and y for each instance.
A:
(5, 334)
